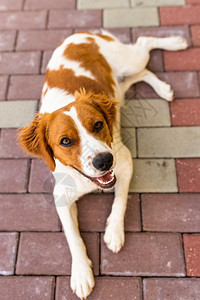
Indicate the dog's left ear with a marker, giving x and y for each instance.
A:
(33, 138)
(108, 107)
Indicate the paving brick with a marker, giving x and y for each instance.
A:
(163, 31)
(157, 2)
(119, 288)
(129, 139)
(8, 145)
(48, 4)
(46, 57)
(90, 4)
(7, 40)
(8, 248)
(155, 63)
(94, 209)
(11, 5)
(75, 18)
(38, 253)
(195, 30)
(154, 176)
(145, 254)
(145, 113)
(13, 176)
(130, 17)
(171, 212)
(188, 175)
(27, 287)
(19, 63)
(192, 254)
(182, 60)
(41, 39)
(184, 85)
(181, 15)
(172, 288)
(123, 34)
(185, 112)
(14, 114)
(168, 142)
(3, 84)
(41, 179)
(23, 20)
(25, 87)
(28, 212)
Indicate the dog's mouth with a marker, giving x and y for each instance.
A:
(107, 181)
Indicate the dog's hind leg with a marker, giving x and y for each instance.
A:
(114, 233)
(161, 88)
(172, 43)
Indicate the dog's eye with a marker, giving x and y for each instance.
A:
(66, 142)
(98, 126)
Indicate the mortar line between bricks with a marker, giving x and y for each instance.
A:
(23, 5)
(141, 216)
(54, 288)
(15, 42)
(7, 87)
(184, 257)
(99, 253)
(47, 19)
(142, 289)
(28, 174)
(17, 251)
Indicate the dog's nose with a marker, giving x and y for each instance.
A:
(103, 161)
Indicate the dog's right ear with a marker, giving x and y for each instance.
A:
(33, 138)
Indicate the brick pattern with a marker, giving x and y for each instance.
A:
(161, 253)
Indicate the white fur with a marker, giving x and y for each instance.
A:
(127, 62)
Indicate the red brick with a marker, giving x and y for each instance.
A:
(48, 4)
(180, 15)
(19, 63)
(13, 176)
(145, 254)
(26, 87)
(41, 179)
(7, 40)
(193, 1)
(23, 20)
(163, 31)
(41, 39)
(8, 248)
(28, 212)
(27, 287)
(119, 288)
(171, 288)
(95, 208)
(8, 145)
(11, 5)
(46, 57)
(188, 175)
(155, 63)
(48, 253)
(171, 212)
(185, 112)
(192, 254)
(3, 85)
(195, 30)
(75, 18)
(184, 85)
(182, 60)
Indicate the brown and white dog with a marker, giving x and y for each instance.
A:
(77, 131)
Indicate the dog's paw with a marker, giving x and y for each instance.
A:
(165, 91)
(178, 43)
(82, 279)
(114, 237)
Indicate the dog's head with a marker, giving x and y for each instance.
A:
(78, 135)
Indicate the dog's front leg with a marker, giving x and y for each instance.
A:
(114, 233)
(82, 279)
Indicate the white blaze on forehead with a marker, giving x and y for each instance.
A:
(90, 146)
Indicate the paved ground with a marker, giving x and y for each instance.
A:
(161, 257)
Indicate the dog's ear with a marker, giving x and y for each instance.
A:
(33, 138)
(108, 107)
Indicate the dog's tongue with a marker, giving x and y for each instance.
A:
(108, 177)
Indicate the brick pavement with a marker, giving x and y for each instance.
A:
(161, 256)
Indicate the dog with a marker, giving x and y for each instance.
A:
(77, 131)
